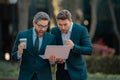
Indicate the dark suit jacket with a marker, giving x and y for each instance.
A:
(32, 62)
(76, 64)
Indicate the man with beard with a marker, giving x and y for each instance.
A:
(30, 46)
(76, 36)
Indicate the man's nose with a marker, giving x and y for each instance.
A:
(42, 28)
(63, 27)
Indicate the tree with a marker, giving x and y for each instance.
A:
(115, 27)
(23, 11)
(93, 18)
(54, 9)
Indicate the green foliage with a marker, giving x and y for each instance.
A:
(107, 65)
(99, 76)
(96, 65)
(8, 70)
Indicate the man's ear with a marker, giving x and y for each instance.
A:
(33, 22)
(70, 20)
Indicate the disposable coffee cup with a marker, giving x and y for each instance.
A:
(25, 41)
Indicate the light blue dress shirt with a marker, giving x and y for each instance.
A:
(34, 37)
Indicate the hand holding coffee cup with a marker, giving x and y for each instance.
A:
(22, 45)
(24, 41)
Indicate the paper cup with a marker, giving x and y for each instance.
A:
(25, 41)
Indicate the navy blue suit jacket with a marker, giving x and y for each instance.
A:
(76, 64)
(32, 62)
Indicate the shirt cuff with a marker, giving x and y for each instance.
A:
(42, 56)
(19, 56)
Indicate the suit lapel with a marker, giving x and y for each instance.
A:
(59, 38)
(44, 42)
(30, 42)
(72, 36)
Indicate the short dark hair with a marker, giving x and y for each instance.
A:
(64, 14)
(41, 16)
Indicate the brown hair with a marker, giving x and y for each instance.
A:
(64, 14)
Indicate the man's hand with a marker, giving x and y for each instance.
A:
(70, 43)
(52, 59)
(21, 46)
(59, 60)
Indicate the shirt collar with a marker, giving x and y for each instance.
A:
(71, 26)
(34, 33)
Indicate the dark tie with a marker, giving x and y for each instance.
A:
(36, 46)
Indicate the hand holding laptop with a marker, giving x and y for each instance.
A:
(52, 59)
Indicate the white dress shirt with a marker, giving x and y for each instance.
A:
(66, 36)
